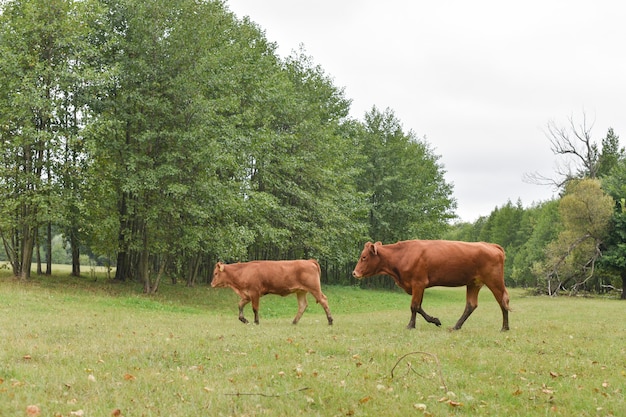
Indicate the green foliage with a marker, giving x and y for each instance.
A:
(168, 135)
(404, 182)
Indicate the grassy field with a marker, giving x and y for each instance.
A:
(78, 347)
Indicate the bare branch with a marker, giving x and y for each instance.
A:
(575, 144)
(443, 382)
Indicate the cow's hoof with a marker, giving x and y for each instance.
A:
(244, 321)
(436, 322)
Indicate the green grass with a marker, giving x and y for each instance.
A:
(77, 344)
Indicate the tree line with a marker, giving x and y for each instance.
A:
(161, 137)
(576, 242)
(168, 135)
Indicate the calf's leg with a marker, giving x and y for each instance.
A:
(302, 305)
(416, 307)
(323, 300)
(242, 304)
(255, 308)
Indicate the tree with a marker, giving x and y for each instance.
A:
(582, 157)
(302, 166)
(39, 44)
(408, 197)
(571, 260)
(614, 256)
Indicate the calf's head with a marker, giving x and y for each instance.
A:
(369, 261)
(218, 276)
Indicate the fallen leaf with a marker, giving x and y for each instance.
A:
(77, 413)
(33, 410)
(116, 413)
(420, 406)
(129, 377)
(365, 399)
(517, 392)
(553, 374)
(455, 403)
(27, 357)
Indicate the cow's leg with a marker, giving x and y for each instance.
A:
(242, 304)
(302, 305)
(470, 304)
(255, 307)
(502, 297)
(416, 307)
(323, 300)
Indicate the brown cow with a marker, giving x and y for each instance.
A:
(252, 280)
(419, 264)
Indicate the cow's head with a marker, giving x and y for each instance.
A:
(369, 261)
(218, 276)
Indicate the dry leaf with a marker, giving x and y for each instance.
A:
(129, 377)
(33, 410)
(116, 413)
(455, 403)
(553, 374)
(27, 357)
(365, 399)
(77, 413)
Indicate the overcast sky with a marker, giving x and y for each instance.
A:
(480, 80)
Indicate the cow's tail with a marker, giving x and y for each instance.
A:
(319, 275)
(319, 269)
(505, 294)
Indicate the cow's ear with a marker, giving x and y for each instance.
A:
(220, 266)
(375, 247)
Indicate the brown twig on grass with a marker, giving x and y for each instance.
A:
(260, 394)
(443, 382)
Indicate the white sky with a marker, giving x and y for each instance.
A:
(480, 80)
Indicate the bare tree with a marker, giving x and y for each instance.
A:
(581, 154)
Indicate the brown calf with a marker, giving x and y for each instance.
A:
(252, 280)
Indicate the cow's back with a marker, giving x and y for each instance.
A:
(280, 277)
(447, 263)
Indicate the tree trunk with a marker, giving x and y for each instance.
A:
(123, 262)
(28, 244)
(75, 245)
(38, 254)
(155, 285)
(623, 274)
(49, 249)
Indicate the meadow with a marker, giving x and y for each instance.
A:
(85, 347)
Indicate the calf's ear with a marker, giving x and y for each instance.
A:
(220, 266)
